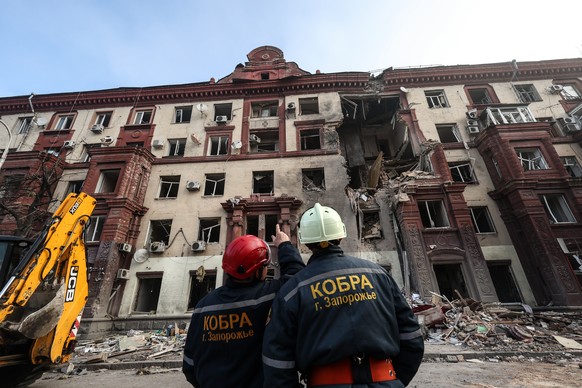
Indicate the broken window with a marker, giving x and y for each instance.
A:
(572, 248)
(214, 184)
(310, 139)
(527, 93)
(103, 119)
(308, 106)
(160, 231)
(75, 187)
(557, 208)
(264, 109)
(262, 226)
(264, 141)
(169, 186)
(531, 159)
(200, 286)
(479, 96)
(449, 133)
(64, 121)
(436, 99)
(183, 114)
(108, 181)
(223, 111)
(433, 214)
(143, 116)
(209, 230)
(462, 172)
(572, 166)
(263, 182)
(371, 227)
(450, 279)
(570, 92)
(177, 147)
(94, 229)
(24, 125)
(218, 145)
(86, 155)
(482, 222)
(504, 281)
(148, 292)
(513, 115)
(313, 179)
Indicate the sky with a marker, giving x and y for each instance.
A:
(61, 46)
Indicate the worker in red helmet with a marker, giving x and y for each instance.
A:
(341, 321)
(224, 342)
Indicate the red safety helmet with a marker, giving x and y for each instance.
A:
(245, 255)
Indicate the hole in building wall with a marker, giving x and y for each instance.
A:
(450, 278)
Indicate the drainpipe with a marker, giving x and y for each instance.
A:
(5, 152)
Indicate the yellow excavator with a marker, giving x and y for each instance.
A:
(44, 290)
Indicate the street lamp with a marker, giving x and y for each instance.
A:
(5, 152)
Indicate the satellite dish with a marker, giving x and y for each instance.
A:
(202, 107)
(141, 255)
(403, 89)
(236, 145)
(40, 121)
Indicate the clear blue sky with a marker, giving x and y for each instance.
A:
(52, 46)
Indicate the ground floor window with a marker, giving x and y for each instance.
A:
(450, 279)
(202, 282)
(504, 282)
(148, 293)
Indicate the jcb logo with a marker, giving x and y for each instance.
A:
(71, 284)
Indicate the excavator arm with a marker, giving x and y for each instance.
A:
(42, 302)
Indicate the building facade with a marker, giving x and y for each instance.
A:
(463, 181)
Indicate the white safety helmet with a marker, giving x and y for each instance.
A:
(320, 223)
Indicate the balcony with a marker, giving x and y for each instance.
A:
(503, 115)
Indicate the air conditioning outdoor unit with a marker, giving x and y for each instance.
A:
(198, 246)
(472, 114)
(192, 185)
(97, 128)
(221, 119)
(157, 247)
(123, 273)
(254, 139)
(107, 140)
(570, 120)
(69, 144)
(125, 247)
(472, 129)
(158, 143)
(556, 88)
(473, 123)
(291, 106)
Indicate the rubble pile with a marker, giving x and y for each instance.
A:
(494, 327)
(135, 345)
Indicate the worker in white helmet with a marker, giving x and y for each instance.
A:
(341, 321)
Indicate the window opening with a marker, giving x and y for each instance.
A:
(504, 282)
(218, 145)
(309, 106)
(570, 92)
(450, 279)
(103, 118)
(209, 230)
(183, 114)
(148, 294)
(572, 166)
(557, 208)
(95, 228)
(527, 93)
(24, 125)
(214, 184)
(310, 139)
(449, 133)
(177, 147)
(264, 109)
(313, 179)
(479, 96)
(200, 287)
(371, 226)
(436, 99)
(462, 172)
(263, 182)
(160, 231)
(482, 222)
(223, 110)
(514, 115)
(108, 181)
(433, 214)
(169, 186)
(75, 187)
(64, 122)
(531, 159)
(142, 117)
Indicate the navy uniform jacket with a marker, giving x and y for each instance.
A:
(337, 307)
(223, 345)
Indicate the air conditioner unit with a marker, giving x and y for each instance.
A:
(158, 143)
(69, 144)
(472, 129)
(570, 120)
(157, 247)
(221, 119)
(107, 140)
(198, 246)
(473, 123)
(124, 247)
(123, 273)
(472, 114)
(291, 106)
(97, 128)
(556, 88)
(254, 139)
(192, 185)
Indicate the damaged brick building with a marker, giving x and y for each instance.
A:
(460, 180)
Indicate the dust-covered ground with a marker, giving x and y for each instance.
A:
(469, 373)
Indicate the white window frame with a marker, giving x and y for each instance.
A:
(64, 122)
(95, 228)
(102, 117)
(139, 116)
(169, 186)
(560, 214)
(221, 144)
(177, 147)
(513, 115)
(454, 130)
(24, 124)
(527, 93)
(436, 99)
(460, 167)
(209, 181)
(179, 114)
(572, 166)
(487, 216)
(570, 92)
(433, 213)
(531, 159)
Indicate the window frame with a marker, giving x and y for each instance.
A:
(488, 220)
(64, 121)
(564, 209)
(94, 230)
(526, 96)
(267, 174)
(177, 147)
(218, 182)
(182, 112)
(24, 124)
(103, 118)
(436, 99)
(462, 173)
(105, 178)
(170, 185)
(571, 165)
(431, 213)
(139, 114)
(160, 230)
(308, 106)
(536, 153)
(453, 130)
(223, 141)
(209, 223)
(264, 109)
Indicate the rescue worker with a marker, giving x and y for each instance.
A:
(224, 340)
(341, 321)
